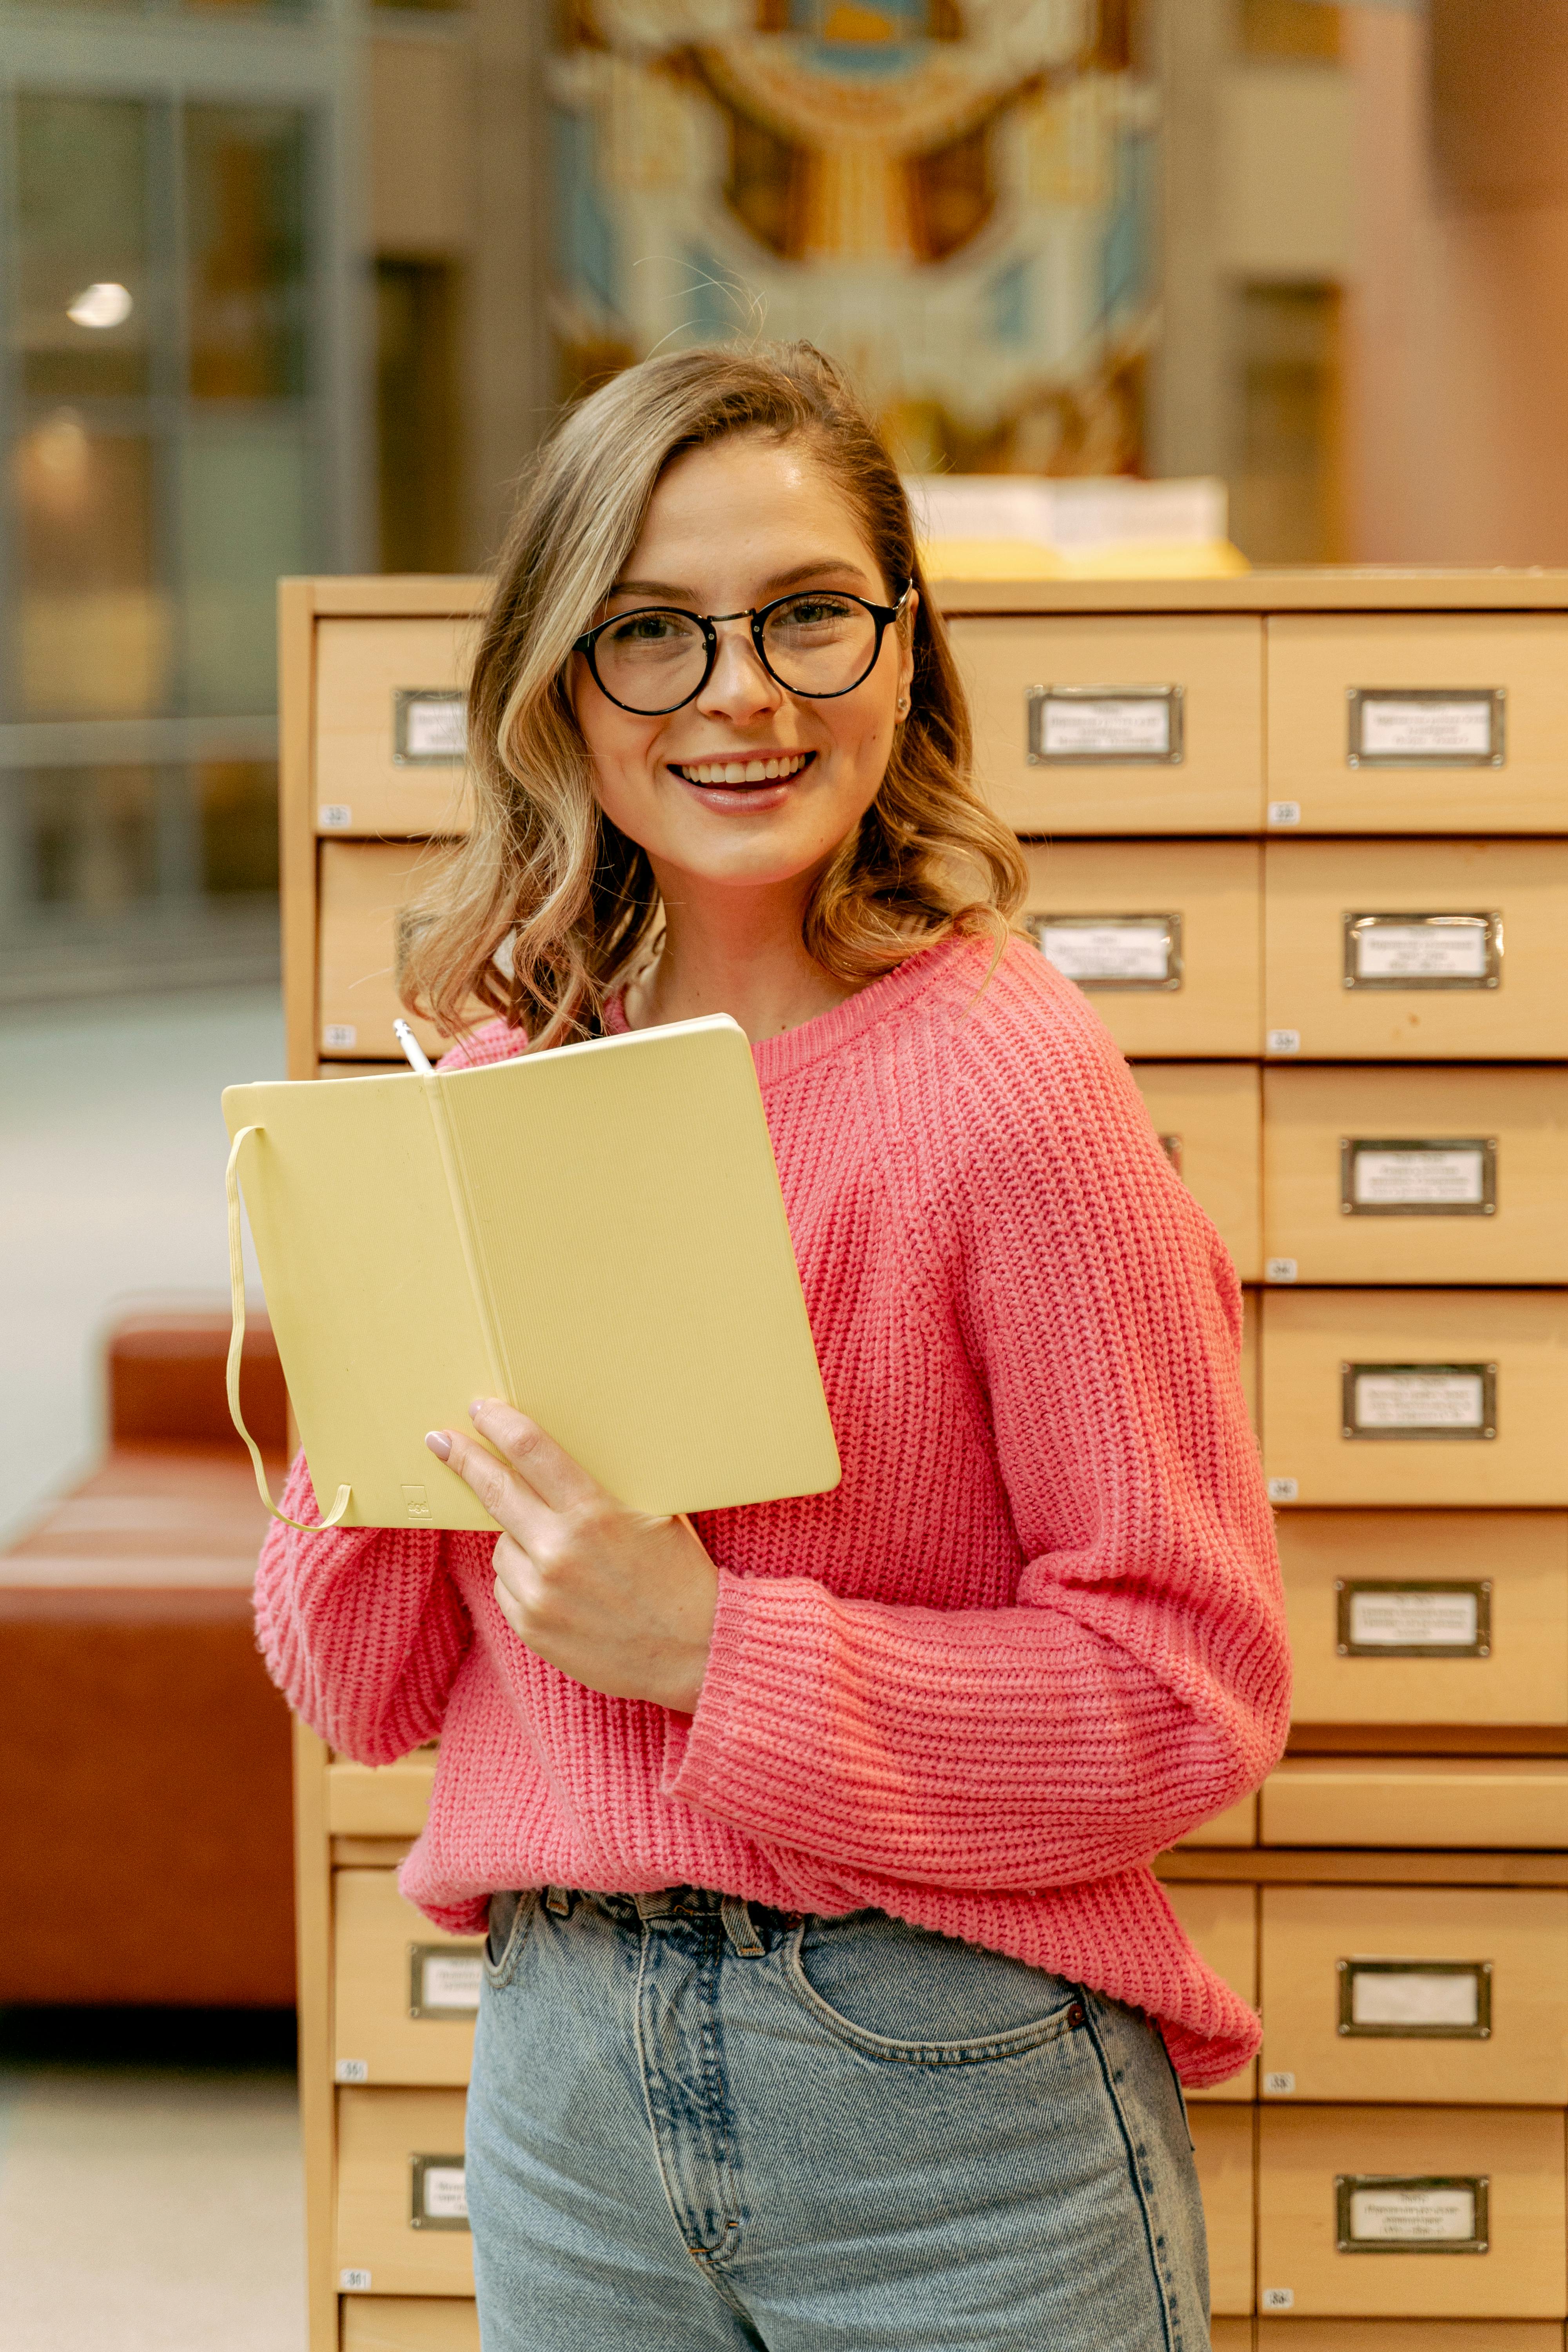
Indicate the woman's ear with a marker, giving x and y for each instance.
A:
(906, 633)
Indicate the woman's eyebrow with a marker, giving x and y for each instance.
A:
(668, 593)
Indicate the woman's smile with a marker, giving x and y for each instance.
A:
(748, 780)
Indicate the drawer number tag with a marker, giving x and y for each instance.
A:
(1381, 1618)
(444, 1980)
(1414, 2214)
(1126, 726)
(1419, 1401)
(1415, 2000)
(1426, 1176)
(438, 2192)
(429, 726)
(1407, 951)
(1427, 727)
(1121, 951)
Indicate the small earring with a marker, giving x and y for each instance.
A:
(903, 704)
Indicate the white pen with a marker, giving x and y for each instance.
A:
(418, 1059)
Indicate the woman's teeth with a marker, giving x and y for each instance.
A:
(739, 771)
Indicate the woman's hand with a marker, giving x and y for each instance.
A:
(616, 1599)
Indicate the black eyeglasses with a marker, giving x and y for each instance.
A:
(818, 642)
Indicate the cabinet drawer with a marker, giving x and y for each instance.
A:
(379, 1800)
(409, 2323)
(1432, 1804)
(1221, 1923)
(1407, 2336)
(389, 725)
(1162, 936)
(1427, 1617)
(402, 2212)
(404, 1995)
(363, 885)
(1416, 1175)
(1185, 694)
(1438, 1995)
(1208, 1116)
(1479, 745)
(1343, 2193)
(1223, 2139)
(1418, 950)
(1387, 1396)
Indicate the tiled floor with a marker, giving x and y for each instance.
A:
(149, 2207)
(111, 1156)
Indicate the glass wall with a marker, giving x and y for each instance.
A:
(172, 432)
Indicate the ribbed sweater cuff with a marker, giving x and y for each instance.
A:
(745, 1726)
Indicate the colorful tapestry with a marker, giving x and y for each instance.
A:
(955, 196)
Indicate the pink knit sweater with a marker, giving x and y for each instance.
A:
(1035, 1635)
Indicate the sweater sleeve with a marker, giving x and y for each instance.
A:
(1139, 1685)
(362, 1628)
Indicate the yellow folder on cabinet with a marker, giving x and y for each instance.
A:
(595, 1233)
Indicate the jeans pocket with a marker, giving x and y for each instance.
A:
(898, 1993)
(512, 1916)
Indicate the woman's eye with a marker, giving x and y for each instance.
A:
(646, 628)
(810, 612)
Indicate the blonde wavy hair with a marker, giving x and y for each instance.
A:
(547, 907)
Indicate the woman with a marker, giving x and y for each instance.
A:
(830, 1998)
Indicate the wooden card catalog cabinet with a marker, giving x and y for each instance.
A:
(1440, 1995)
(1118, 725)
(402, 2213)
(1207, 1115)
(1415, 1396)
(1162, 937)
(406, 1996)
(1415, 1175)
(1427, 1617)
(363, 885)
(1418, 950)
(390, 725)
(1448, 2212)
(1418, 722)
(1221, 1923)
(1222, 2141)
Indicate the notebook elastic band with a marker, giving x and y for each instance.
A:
(237, 1348)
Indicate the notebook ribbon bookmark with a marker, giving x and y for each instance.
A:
(237, 1348)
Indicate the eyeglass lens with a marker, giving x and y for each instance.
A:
(814, 644)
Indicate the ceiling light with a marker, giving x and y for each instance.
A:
(100, 306)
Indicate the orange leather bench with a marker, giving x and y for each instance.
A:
(146, 1832)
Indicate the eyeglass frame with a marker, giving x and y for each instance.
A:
(884, 617)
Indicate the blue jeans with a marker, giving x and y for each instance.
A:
(694, 2123)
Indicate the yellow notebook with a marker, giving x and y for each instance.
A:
(595, 1233)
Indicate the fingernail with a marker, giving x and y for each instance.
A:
(475, 1408)
(441, 1444)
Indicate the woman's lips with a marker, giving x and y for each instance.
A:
(754, 783)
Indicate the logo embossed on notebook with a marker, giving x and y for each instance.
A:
(414, 1498)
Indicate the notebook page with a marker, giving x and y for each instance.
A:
(625, 1211)
(362, 1263)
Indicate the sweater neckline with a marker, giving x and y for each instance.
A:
(828, 1033)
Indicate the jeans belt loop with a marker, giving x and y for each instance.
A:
(740, 1927)
(558, 1899)
(655, 1904)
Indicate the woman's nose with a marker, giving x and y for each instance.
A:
(740, 685)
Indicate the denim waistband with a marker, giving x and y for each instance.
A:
(752, 1927)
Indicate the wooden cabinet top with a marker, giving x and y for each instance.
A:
(1327, 588)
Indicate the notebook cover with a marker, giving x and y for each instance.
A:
(595, 1233)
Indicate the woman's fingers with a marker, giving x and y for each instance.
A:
(549, 1469)
(511, 1501)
